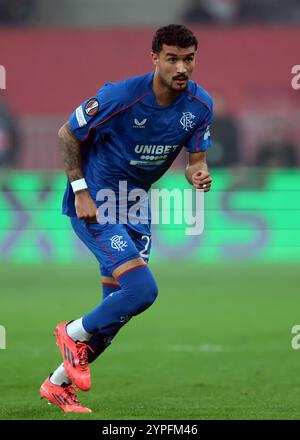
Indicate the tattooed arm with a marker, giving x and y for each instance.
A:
(70, 149)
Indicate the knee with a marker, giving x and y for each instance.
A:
(141, 289)
(150, 292)
(144, 294)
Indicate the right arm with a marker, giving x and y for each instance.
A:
(70, 149)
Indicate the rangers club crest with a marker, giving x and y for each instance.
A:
(118, 243)
(187, 121)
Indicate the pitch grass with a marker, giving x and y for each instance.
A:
(215, 345)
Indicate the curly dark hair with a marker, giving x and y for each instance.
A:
(173, 35)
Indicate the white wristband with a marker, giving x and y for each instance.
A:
(78, 185)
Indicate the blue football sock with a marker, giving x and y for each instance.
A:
(100, 342)
(138, 291)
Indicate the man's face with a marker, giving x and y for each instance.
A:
(174, 66)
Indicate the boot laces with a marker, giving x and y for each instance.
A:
(70, 391)
(82, 349)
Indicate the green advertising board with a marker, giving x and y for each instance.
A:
(248, 214)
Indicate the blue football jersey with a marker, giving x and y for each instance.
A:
(127, 136)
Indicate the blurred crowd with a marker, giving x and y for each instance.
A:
(242, 11)
(195, 11)
(15, 11)
(9, 138)
(276, 147)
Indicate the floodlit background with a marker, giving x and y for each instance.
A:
(217, 342)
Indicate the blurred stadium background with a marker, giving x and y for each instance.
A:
(221, 344)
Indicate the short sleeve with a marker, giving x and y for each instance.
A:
(201, 139)
(94, 112)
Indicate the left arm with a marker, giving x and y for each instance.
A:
(196, 172)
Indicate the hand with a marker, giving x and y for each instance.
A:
(85, 207)
(201, 180)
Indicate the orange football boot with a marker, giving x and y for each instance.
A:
(74, 356)
(63, 396)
